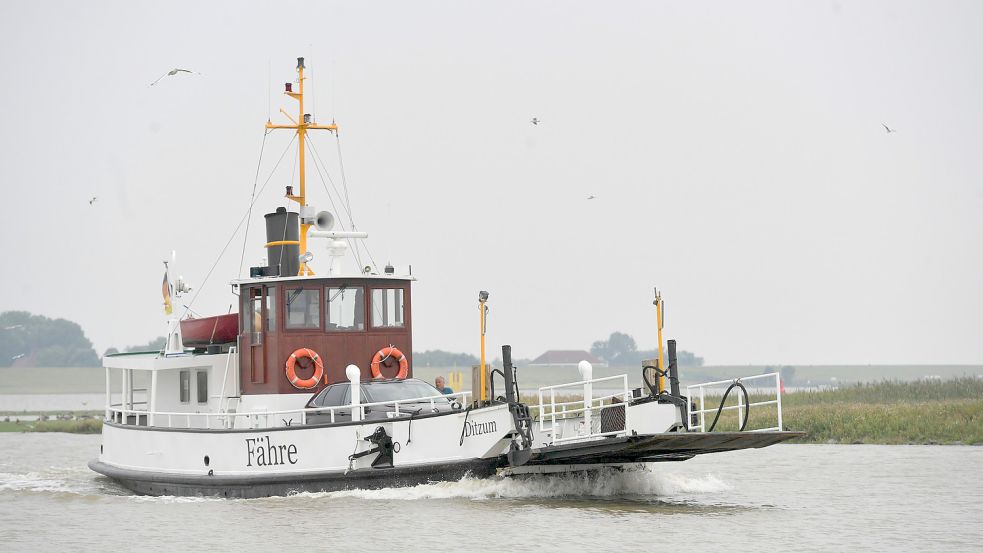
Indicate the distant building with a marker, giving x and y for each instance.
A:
(566, 358)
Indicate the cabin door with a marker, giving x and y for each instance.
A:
(259, 327)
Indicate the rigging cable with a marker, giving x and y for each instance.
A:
(245, 216)
(286, 202)
(344, 184)
(252, 199)
(347, 208)
(317, 160)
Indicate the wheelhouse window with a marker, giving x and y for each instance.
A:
(387, 308)
(303, 308)
(345, 308)
(253, 312)
(202, 386)
(271, 309)
(185, 386)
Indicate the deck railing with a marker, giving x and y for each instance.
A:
(698, 393)
(262, 419)
(559, 412)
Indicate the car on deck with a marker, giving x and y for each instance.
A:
(411, 396)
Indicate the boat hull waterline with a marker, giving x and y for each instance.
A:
(244, 477)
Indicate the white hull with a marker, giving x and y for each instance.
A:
(303, 453)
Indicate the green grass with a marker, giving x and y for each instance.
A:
(924, 412)
(81, 422)
(77, 426)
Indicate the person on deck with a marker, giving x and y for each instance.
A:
(441, 385)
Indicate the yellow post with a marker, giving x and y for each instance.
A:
(455, 379)
(662, 359)
(301, 125)
(482, 298)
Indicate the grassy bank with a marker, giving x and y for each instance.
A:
(75, 423)
(924, 412)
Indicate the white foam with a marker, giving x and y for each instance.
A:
(38, 482)
(604, 483)
(598, 484)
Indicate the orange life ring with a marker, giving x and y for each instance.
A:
(385, 353)
(307, 383)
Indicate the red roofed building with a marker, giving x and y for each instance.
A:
(566, 358)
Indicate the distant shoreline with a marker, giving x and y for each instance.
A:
(929, 411)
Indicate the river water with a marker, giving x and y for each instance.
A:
(786, 497)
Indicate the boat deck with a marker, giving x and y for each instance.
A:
(667, 446)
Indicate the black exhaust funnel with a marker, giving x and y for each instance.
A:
(283, 226)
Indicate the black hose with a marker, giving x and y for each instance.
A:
(653, 389)
(747, 410)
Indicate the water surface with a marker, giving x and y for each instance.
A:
(787, 497)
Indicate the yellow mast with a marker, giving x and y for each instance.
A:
(658, 318)
(301, 125)
(483, 312)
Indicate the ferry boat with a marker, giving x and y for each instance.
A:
(310, 387)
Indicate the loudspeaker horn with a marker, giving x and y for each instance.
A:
(325, 220)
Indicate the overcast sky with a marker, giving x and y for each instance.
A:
(735, 149)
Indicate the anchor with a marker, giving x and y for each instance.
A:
(384, 446)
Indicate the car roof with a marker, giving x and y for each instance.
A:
(378, 381)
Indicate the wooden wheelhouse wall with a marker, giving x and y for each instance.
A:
(264, 352)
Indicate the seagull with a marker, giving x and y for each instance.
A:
(535, 121)
(16, 357)
(12, 327)
(888, 129)
(93, 200)
(173, 72)
(591, 197)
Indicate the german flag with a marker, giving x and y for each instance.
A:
(165, 289)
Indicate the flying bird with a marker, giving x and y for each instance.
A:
(888, 129)
(173, 72)
(93, 200)
(591, 197)
(535, 121)
(16, 357)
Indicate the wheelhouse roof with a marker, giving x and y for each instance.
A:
(319, 278)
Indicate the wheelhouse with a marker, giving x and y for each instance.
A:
(345, 321)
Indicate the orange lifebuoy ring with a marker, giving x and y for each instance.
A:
(307, 383)
(385, 353)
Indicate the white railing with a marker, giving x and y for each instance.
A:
(580, 418)
(261, 419)
(740, 406)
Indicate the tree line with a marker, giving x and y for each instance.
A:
(620, 349)
(37, 341)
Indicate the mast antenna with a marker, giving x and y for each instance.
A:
(300, 125)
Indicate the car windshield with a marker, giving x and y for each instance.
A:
(330, 396)
(400, 391)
